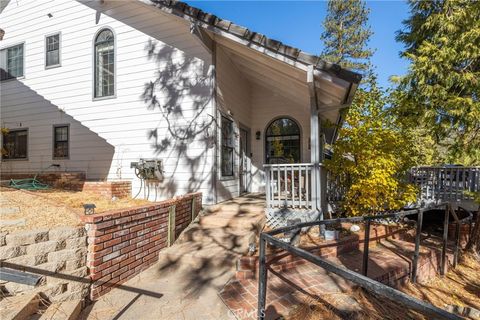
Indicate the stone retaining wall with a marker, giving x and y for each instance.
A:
(123, 243)
(58, 254)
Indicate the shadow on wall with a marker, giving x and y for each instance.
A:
(88, 152)
(181, 93)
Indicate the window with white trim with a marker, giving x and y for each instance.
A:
(52, 50)
(104, 64)
(15, 144)
(12, 62)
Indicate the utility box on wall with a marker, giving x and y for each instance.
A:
(148, 169)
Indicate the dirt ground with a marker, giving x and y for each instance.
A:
(460, 287)
(52, 208)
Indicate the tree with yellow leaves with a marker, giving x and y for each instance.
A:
(372, 156)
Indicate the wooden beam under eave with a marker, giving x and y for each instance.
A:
(203, 37)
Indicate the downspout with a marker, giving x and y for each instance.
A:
(315, 145)
(215, 121)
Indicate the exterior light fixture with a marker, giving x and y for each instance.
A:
(257, 135)
(89, 208)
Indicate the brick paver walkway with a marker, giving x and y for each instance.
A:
(389, 262)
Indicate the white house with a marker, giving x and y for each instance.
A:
(95, 85)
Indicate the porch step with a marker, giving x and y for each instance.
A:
(68, 310)
(19, 307)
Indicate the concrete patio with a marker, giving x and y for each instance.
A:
(185, 283)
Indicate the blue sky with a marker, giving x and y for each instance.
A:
(299, 24)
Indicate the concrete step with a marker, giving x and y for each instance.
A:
(195, 257)
(68, 310)
(198, 233)
(19, 307)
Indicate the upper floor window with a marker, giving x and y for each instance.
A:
(15, 144)
(11, 62)
(104, 64)
(52, 51)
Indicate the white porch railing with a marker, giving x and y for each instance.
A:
(288, 186)
(446, 183)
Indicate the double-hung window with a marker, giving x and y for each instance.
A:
(12, 62)
(15, 144)
(104, 64)
(52, 51)
(228, 147)
(60, 141)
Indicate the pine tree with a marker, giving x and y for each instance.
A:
(371, 154)
(441, 90)
(346, 35)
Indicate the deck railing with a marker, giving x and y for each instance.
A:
(288, 186)
(446, 183)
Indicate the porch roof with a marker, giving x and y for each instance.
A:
(270, 63)
(275, 47)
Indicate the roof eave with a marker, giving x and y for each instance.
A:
(274, 47)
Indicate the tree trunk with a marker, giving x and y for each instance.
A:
(473, 244)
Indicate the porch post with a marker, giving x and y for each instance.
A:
(314, 144)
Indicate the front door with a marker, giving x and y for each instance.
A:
(244, 161)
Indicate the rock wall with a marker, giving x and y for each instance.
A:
(59, 255)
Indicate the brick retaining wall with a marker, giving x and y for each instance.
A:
(59, 253)
(247, 266)
(109, 189)
(75, 181)
(464, 232)
(123, 243)
(65, 180)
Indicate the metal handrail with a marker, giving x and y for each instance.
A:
(361, 279)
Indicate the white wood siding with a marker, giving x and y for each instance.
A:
(233, 101)
(106, 135)
(254, 106)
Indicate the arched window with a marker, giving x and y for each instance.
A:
(104, 64)
(282, 141)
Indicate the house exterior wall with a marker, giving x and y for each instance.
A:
(253, 106)
(233, 102)
(266, 106)
(163, 100)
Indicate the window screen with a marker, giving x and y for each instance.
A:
(227, 147)
(104, 64)
(11, 61)
(15, 144)
(52, 57)
(60, 144)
